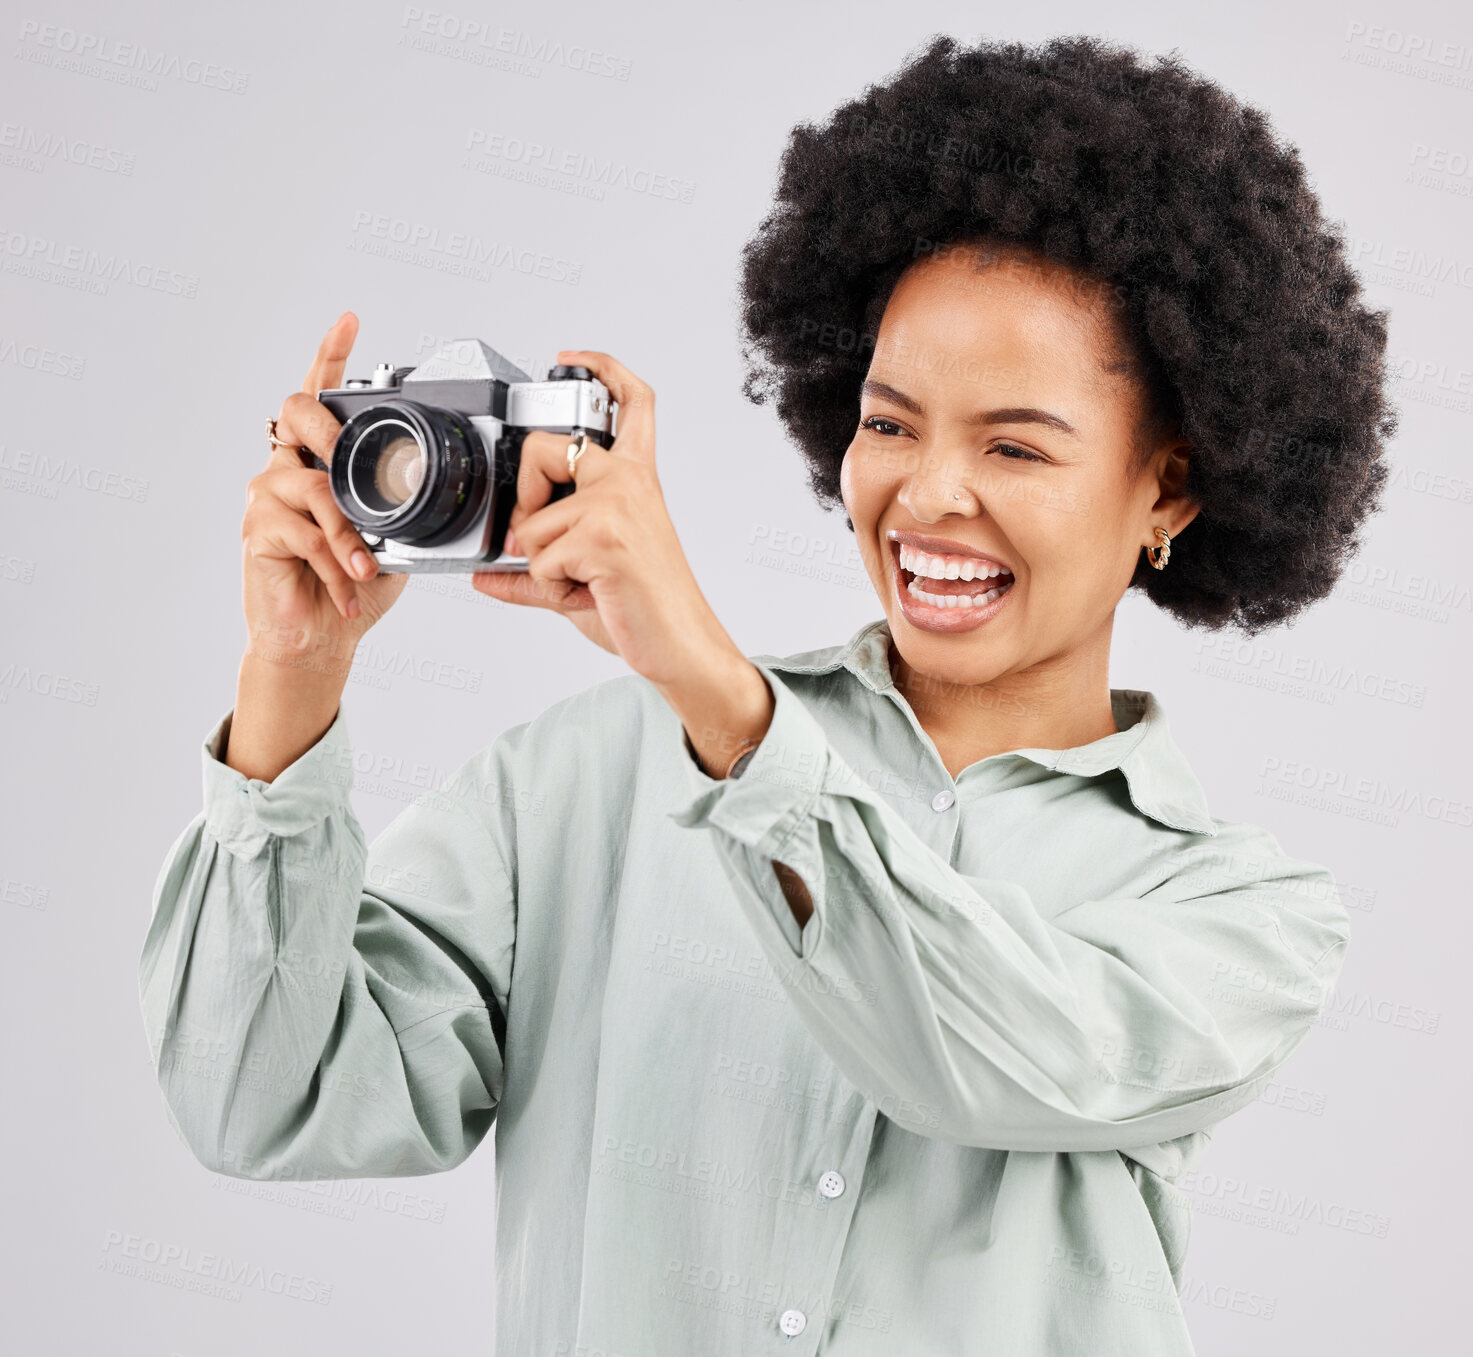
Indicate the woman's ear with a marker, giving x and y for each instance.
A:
(1173, 463)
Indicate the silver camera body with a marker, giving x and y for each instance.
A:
(425, 465)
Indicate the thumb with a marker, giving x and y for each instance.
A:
(517, 586)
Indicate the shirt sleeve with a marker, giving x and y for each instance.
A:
(319, 1009)
(1121, 1022)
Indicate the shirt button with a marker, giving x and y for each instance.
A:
(793, 1322)
(831, 1184)
(943, 799)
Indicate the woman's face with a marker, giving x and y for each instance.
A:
(991, 425)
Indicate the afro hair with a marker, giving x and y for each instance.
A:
(1235, 294)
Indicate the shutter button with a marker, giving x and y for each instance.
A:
(943, 799)
(792, 1323)
(831, 1184)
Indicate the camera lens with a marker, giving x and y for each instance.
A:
(411, 472)
(390, 466)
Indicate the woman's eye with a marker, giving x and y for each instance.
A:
(888, 428)
(1016, 453)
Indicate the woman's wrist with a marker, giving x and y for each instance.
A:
(281, 711)
(724, 709)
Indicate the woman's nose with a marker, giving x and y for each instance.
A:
(937, 489)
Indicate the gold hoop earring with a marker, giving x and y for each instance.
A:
(1159, 555)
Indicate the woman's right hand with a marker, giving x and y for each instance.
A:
(311, 586)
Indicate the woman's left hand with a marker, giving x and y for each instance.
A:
(607, 556)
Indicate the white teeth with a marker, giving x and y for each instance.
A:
(957, 600)
(947, 568)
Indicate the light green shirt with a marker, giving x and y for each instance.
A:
(944, 1118)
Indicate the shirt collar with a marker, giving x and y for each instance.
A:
(1160, 781)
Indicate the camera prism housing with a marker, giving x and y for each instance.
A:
(425, 465)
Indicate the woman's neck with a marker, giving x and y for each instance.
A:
(1059, 704)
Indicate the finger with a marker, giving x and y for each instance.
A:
(332, 355)
(536, 531)
(347, 545)
(636, 418)
(306, 422)
(519, 587)
(278, 533)
(563, 565)
(307, 492)
(545, 463)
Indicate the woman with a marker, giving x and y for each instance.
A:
(866, 1000)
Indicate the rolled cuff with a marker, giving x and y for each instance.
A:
(765, 815)
(243, 813)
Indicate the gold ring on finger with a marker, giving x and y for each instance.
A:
(275, 441)
(575, 450)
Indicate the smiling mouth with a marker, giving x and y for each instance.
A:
(950, 593)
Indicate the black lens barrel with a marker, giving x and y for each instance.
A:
(450, 491)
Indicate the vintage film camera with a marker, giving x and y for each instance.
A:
(425, 465)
